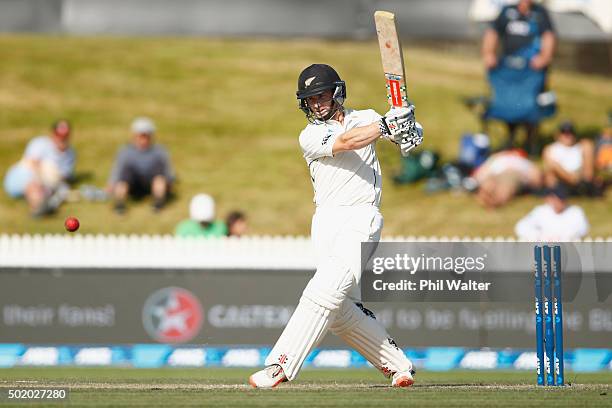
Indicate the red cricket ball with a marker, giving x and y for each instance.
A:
(71, 224)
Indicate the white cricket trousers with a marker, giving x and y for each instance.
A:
(329, 299)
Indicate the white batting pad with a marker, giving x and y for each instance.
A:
(304, 331)
(358, 328)
(337, 235)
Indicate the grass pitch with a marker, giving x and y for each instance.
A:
(92, 387)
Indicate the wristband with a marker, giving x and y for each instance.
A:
(384, 129)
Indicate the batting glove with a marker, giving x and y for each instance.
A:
(395, 123)
(412, 138)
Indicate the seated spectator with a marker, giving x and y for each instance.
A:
(603, 151)
(141, 168)
(523, 39)
(201, 222)
(236, 224)
(571, 162)
(45, 168)
(553, 221)
(504, 175)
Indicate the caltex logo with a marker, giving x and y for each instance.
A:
(172, 315)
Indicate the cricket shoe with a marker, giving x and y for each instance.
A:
(403, 378)
(269, 377)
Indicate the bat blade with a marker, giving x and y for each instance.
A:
(392, 58)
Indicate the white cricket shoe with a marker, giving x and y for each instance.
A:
(403, 379)
(269, 377)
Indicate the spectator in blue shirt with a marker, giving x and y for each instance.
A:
(43, 171)
(141, 168)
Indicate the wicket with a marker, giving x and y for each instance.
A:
(549, 321)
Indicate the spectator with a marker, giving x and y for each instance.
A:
(523, 32)
(523, 29)
(554, 220)
(201, 222)
(504, 175)
(571, 162)
(603, 154)
(236, 224)
(45, 168)
(141, 168)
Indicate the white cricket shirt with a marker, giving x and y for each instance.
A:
(544, 224)
(348, 178)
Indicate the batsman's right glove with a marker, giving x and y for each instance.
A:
(396, 122)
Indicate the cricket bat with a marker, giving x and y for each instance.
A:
(392, 58)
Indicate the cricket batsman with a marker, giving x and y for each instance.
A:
(338, 145)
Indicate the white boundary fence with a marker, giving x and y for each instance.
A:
(168, 252)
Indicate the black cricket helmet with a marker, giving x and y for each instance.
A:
(317, 79)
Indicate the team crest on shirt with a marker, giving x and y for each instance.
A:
(518, 27)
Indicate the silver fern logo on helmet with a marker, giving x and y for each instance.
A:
(309, 81)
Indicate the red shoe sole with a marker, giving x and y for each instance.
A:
(404, 382)
(273, 385)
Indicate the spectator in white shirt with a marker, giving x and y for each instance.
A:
(572, 162)
(503, 176)
(554, 221)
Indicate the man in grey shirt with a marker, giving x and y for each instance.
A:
(141, 168)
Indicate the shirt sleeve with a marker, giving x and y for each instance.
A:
(499, 24)
(318, 141)
(545, 21)
(165, 157)
(35, 150)
(120, 162)
(372, 116)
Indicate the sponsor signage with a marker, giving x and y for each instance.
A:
(230, 307)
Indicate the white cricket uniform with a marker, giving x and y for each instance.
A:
(347, 191)
(348, 178)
